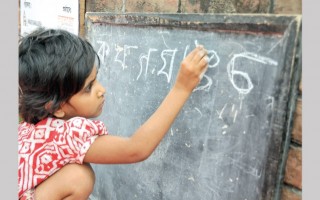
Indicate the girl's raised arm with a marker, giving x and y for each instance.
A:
(138, 147)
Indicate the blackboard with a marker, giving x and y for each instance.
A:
(227, 142)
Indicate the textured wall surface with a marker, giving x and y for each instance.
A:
(180, 6)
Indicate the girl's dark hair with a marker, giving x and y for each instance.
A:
(53, 66)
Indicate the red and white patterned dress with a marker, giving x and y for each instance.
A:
(50, 144)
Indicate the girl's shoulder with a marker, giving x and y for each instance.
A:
(56, 122)
(82, 121)
(60, 125)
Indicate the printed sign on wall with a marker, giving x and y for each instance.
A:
(62, 14)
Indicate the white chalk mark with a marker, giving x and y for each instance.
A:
(224, 132)
(214, 55)
(103, 51)
(167, 52)
(196, 43)
(220, 113)
(235, 116)
(247, 116)
(91, 197)
(197, 109)
(225, 126)
(205, 87)
(146, 58)
(280, 42)
(119, 48)
(232, 108)
(164, 41)
(185, 51)
(191, 179)
(251, 56)
(188, 145)
(275, 45)
(257, 58)
(126, 51)
(171, 131)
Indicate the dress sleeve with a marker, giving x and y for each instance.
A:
(80, 134)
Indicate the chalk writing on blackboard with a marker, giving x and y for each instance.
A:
(169, 55)
(232, 69)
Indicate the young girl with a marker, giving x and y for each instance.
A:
(58, 93)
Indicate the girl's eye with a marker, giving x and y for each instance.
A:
(88, 88)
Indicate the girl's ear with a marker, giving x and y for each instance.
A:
(58, 113)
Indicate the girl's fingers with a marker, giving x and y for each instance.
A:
(194, 53)
(202, 52)
(204, 66)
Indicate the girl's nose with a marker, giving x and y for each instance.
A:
(101, 91)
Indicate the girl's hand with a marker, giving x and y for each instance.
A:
(192, 69)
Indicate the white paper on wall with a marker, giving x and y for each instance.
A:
(62, 14)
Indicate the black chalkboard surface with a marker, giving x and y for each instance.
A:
(226, 143)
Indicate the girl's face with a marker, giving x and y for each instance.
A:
(88, 102)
